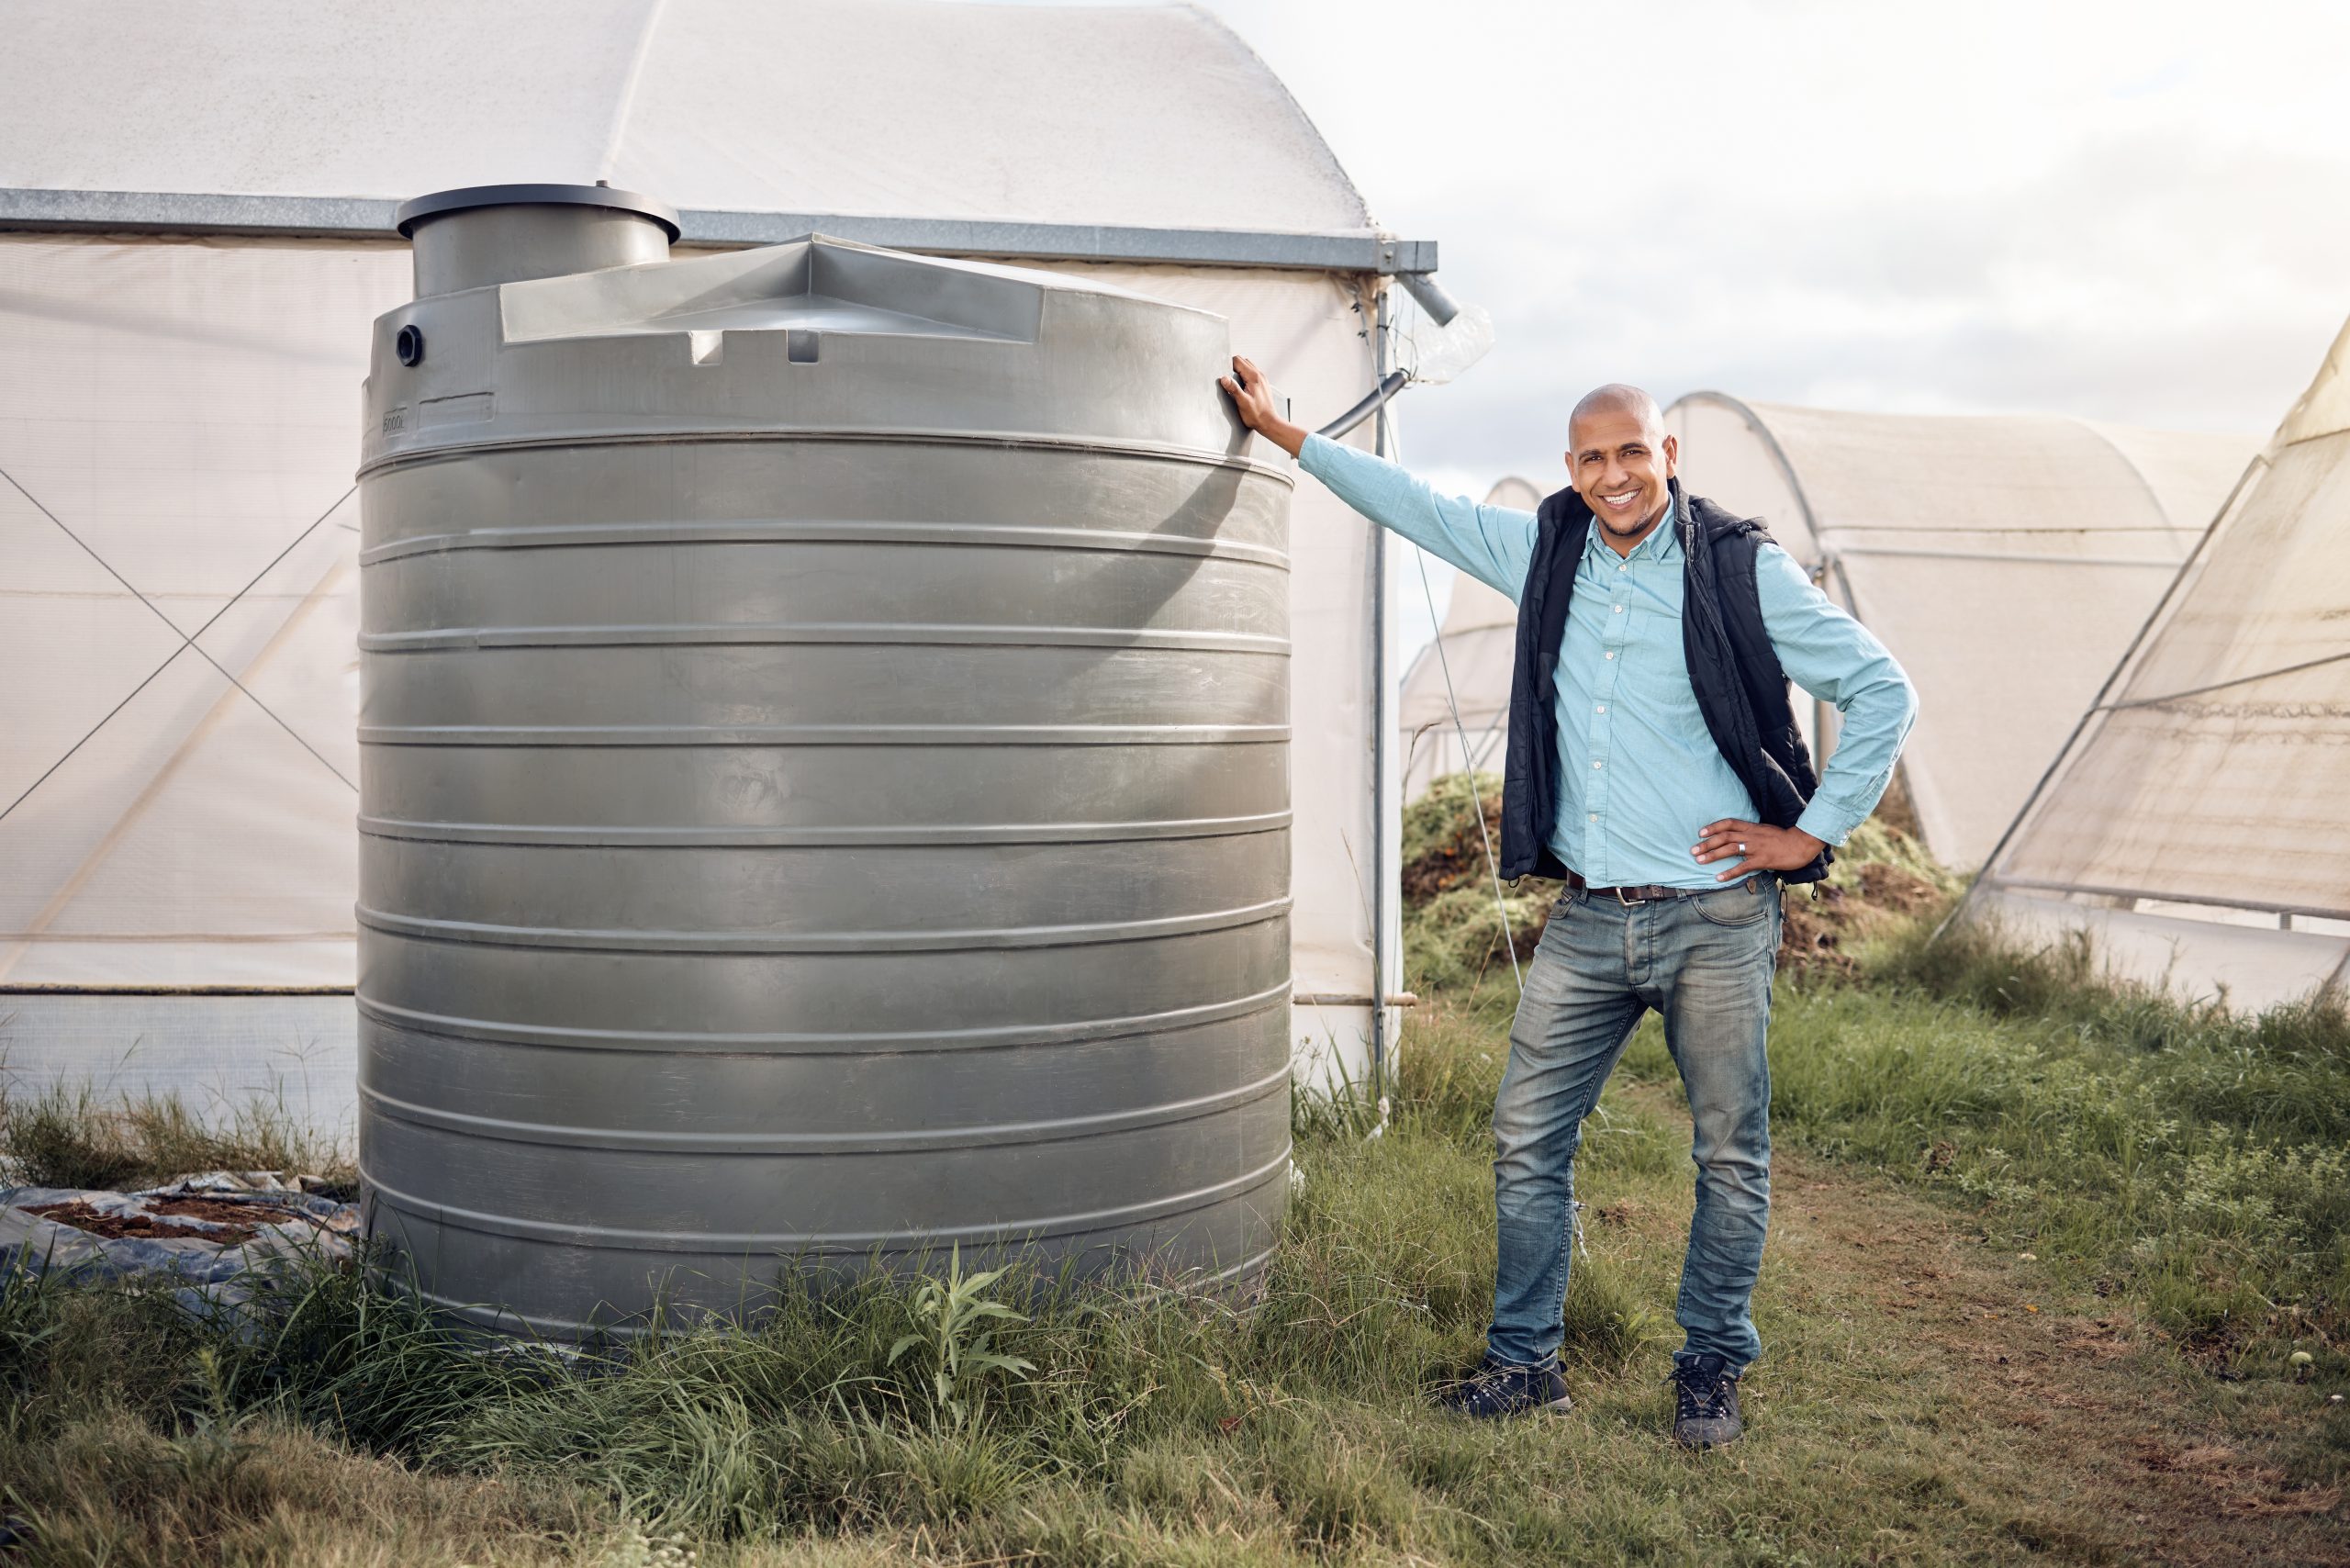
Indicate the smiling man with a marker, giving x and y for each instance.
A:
(1655, 766)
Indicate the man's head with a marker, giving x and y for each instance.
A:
(1618, 458)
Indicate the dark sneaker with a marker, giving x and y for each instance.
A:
(1496, 1389)
(1705, 1394)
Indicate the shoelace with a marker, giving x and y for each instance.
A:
(1702, 1388)
(1495, 1388)
(1492, 1389)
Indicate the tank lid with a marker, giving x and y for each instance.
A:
(411, 213)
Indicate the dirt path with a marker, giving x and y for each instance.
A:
(2076, 1422)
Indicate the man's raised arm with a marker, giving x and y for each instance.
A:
(1491, 543)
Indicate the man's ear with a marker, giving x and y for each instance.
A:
(1671, 456)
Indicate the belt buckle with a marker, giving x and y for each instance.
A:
(1628, 904)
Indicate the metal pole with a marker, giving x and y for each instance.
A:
(1380, 719)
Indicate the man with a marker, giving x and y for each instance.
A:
(1654, 766)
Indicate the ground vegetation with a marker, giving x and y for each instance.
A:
(2057, 1273)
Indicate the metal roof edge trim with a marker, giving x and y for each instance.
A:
(32, 210)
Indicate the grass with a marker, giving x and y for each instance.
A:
(2197, 1160)
(73, 1136)
(2041, 1253)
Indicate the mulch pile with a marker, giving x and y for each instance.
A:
(1819, 933)
(218, 1238)
(1882, 877)
(166, 1218)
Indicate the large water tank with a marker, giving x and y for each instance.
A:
(825, 790)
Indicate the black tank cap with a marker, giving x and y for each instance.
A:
(410, 213)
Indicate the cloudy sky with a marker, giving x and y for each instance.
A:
(2137, 211)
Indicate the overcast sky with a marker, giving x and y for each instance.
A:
(2138, 211)
(2133, 211)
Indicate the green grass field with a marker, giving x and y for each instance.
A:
(2042, 1256)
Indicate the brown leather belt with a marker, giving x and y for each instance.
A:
(1641, 895)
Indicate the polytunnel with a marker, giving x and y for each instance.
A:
(2193, 825)
(2006, 560)
(195, 231)
(1467, 664)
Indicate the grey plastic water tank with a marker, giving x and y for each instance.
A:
(825, 772)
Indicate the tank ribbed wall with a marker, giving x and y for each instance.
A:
(790, 838)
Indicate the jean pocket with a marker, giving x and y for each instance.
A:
(1744, 904)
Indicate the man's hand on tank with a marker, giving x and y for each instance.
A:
(1253, 395)
(1756, 846)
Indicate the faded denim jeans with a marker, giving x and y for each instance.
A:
(1705, 963)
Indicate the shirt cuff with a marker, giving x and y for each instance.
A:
(1831, 822)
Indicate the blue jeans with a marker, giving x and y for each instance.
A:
(1704, 963)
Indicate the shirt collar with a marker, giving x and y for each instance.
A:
(1662, 544)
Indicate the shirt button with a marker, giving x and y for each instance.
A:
(1619, 610)
(1611, 656)
(1594, 816)
(1599, 765)
(1603, 707)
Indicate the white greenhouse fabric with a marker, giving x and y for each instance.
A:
(189, 408)
(2007, 562)
(180, 684)
(1151, 116)
(190, 412)
(2212, 777)
(1476, 645)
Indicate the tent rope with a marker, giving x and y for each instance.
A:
(2221, 685)
(1468, 773)
(187, 641)
(1468, 770)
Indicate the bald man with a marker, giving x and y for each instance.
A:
(1655, 768)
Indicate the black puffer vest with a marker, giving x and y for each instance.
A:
(1733, 669)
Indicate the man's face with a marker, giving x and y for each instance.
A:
(1619, 465)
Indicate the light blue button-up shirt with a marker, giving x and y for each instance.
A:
(1640, 775)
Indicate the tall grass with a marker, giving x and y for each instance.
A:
(1120, 1424)
(79, 1136)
